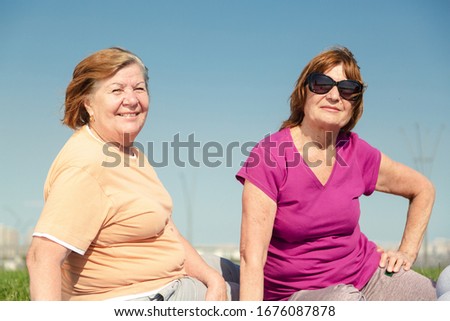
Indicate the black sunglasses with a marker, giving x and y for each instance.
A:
(321, 84)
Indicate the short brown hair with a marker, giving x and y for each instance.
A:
(98, 66)
(321, 63)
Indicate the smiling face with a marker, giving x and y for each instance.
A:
(118, 106)
(328, 112)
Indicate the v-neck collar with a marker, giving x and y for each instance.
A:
(314, 177)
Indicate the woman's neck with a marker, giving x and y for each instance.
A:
(124, 146)
(322, 138)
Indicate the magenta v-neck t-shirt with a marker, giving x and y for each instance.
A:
(316, 239)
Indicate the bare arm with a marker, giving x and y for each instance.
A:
(196, 267)
(258, 215)
(44, 260)
(398, 179)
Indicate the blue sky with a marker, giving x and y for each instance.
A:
(223, 71)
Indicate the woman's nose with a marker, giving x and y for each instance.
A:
(130, 99)
(333, 93)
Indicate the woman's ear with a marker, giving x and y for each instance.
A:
(88, 106)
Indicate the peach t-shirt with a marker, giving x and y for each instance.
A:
(111, 210)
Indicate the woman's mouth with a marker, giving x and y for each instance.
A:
(331, 108)
(128, 115)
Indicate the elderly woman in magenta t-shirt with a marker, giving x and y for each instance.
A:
(300, 235)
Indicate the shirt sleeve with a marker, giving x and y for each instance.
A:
(74, 210)
(369, 159)
(263, 170)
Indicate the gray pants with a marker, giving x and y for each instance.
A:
(443, 285)
(191, 289)
(401, 286)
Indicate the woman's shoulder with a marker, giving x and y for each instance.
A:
(80, 151)
(276, 148)
(277, 137)
(351, 140)
(356, 141)
(274, 141)
(352, 145)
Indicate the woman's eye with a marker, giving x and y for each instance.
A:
(140, 89)
(117, 91)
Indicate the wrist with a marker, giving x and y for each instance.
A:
(410, 254)
(215, 279)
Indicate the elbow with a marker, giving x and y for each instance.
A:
(30, 259)
(425, 191)
(253, 257)
(429, 190)
(432, 191)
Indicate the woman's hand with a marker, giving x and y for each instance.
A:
(395, 260)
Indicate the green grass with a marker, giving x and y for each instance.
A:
(432, 272)
(14, 284)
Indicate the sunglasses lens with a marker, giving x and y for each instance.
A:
(349, 89)
(320, 84)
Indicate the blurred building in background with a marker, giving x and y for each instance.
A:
(12, 252)
(13, 248)
(435, 253)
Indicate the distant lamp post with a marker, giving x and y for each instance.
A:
(423, 162)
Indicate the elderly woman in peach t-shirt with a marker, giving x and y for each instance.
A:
(106, 229)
